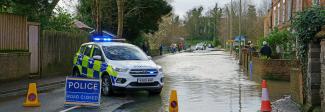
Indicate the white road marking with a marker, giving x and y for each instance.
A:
(71, 108)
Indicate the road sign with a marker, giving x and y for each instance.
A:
(32, 99)
(82, 91)
(173, 103)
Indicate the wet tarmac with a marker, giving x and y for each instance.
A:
(206, 81)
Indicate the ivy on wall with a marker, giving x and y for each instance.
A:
(306, 25)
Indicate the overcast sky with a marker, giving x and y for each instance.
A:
(180, 7)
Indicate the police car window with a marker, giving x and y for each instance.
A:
(97, 51)
(82, 49)
(88, 50)
(124, 53)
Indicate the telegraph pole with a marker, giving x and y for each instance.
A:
(230, 26)
(240, 10)
(98, 17)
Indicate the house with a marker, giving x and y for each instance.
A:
(281, 13)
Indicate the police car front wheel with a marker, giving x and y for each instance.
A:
(76, 73)
(155, 91)
(106, 86)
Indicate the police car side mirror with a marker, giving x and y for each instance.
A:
(149, 57)
(97, 57)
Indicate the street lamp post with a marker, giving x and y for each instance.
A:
(240, 10)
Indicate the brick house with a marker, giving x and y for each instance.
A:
(281, 12)
(280, 15)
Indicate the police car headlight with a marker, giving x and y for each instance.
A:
(117, 69)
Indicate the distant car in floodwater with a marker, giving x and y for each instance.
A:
(199, 46)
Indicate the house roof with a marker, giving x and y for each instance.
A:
(81, 25)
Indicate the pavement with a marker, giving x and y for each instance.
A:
(19, 87)
(285, 104)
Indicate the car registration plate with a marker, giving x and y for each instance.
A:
(145, 80)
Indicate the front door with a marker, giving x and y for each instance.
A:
(33, 34)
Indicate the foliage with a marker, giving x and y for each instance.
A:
(260, 42)
(283, 39)
(85, 12)
(140, 16)
(5, 6)
(265, 58)
(216, 42)
(171, 30)
(204, 27)
(139, 41)
(279, 38)
(35, 10)
(306, 24)
(251, 21)
(61, 21)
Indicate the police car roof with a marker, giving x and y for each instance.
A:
(110, 43)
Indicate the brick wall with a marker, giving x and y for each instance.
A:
(14, 65)
(322, 88)
(322, 2)
(278, 69)
(312, 82)
(296, 83)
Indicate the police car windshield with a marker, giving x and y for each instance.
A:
(124, 53)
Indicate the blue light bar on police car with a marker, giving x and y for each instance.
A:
(101, 39)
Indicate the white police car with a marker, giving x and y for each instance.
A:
(119, 66)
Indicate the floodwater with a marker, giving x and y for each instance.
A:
(206, 81)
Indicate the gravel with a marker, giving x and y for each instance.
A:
(285, 105)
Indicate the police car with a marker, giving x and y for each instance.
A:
(120, 66)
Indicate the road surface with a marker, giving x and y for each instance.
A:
(205, 81)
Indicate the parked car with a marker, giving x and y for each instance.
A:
(199, 46)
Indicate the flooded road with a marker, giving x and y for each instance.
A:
(205, 81)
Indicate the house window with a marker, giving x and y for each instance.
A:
(289, 9)
(278, 19)
(274, 16)
(283, 11)
(298, 5)
(316, 2)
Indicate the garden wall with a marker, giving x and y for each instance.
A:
(57, 51)
(277, 69)
(14, 65)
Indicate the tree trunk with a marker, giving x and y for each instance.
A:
(120, 11)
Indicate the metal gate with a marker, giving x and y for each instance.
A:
(33, 36)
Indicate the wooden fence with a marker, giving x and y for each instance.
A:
(57, 50)
(13, 32)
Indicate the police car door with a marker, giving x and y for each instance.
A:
(98, 60)
(86, 61)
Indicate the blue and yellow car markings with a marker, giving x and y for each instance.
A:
(93, 68)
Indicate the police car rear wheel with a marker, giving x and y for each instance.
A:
(75, 73)
(106, 86)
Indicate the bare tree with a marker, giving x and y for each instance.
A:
(120, 11)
